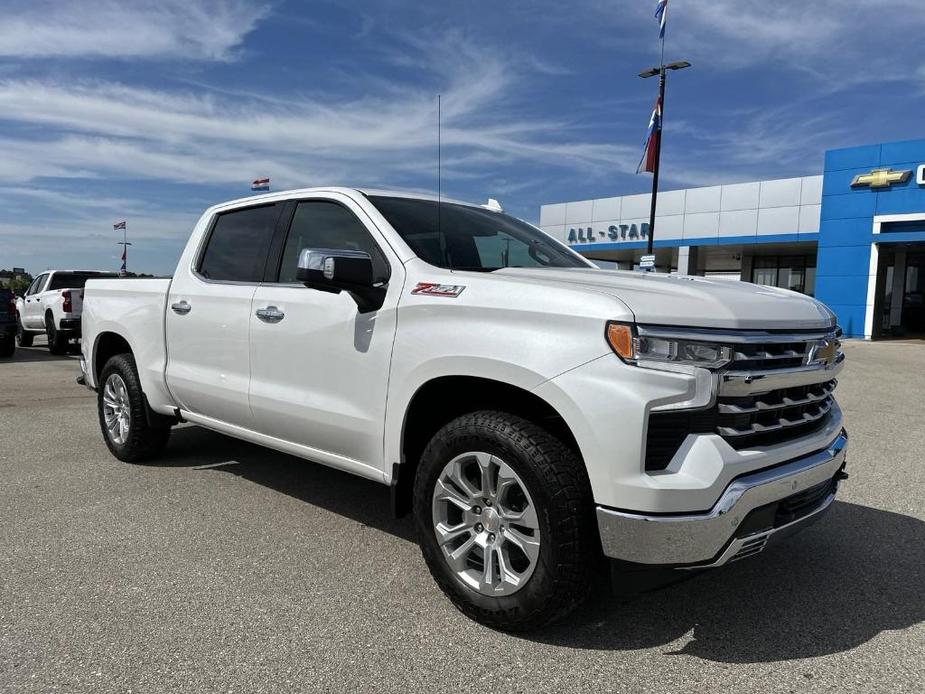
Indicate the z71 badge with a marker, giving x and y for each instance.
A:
(433, 289)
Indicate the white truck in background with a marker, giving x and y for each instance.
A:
(52, 305)
(534, 412)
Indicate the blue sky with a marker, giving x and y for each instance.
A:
(152, 111)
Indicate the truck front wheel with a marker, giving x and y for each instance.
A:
(505, 520)
(123, 413)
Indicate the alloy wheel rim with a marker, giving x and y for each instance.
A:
(486, 524)
(117, 413)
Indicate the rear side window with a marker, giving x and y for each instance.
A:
(76, 280)
(239, 244)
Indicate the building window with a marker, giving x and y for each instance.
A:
(794, 272)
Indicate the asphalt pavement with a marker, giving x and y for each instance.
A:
(229, 568)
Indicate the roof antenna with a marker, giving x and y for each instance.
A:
(439, 167)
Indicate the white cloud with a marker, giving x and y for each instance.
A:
(98, 128)
(841, 40)
(171, 29)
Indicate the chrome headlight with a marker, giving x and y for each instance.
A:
(641, 350)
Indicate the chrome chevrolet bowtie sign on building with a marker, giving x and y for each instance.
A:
(884, 178)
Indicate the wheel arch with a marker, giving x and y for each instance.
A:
(107, 345)
(444, 398)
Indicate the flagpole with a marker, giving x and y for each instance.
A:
(658, 142)
(125, 244)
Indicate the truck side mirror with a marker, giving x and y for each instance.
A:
(336, 270)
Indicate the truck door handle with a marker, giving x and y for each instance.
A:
(270, 314)
(181, 307)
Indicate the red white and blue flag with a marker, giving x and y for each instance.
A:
(647, 163)
(261, 184)
(661, 14)
(118, 225)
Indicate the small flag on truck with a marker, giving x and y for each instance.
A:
(261, 185)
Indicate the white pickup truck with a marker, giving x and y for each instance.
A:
(51, 305)
(534, 412)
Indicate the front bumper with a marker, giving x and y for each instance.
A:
(753, 508)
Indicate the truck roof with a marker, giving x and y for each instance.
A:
(384, 192)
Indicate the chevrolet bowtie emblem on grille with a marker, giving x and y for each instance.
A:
(880, 178)
(822, 352)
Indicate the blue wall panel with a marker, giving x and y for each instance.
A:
(842, 261)
(906, 151)
(852, 157)
(846, 228)
(846, 289)
(850, 318)
(846, 232)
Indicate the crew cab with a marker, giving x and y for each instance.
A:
(51, 305)
(534, 412)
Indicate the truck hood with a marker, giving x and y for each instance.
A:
(691, 301)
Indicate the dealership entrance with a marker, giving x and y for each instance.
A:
(900, 307)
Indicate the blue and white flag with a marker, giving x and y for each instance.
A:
(661, 14)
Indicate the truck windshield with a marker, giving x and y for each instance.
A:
(470, 238)
(76, 280)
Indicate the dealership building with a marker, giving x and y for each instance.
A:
(854, 237)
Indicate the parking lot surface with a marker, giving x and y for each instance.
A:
(229, 568)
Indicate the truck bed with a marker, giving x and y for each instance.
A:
(134, 309)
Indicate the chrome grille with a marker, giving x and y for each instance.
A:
(769, 356)
(778, 387)
(774, 411)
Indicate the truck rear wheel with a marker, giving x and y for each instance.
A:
(123, 413)
(23, 336)
(505, 520)
(7, 347)
(57, 341)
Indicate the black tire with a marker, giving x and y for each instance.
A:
(23, 336)
(143, 441)
(554, 475)
(8, 347)
(57, 340)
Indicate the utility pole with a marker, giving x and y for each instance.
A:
(661, 71)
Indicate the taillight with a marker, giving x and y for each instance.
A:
(66, 307)
(13, 305)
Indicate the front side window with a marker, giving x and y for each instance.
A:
(461, 237)
(239, 245)
(36, 285)
(326, 224)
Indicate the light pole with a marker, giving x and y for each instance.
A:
(661, 71)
